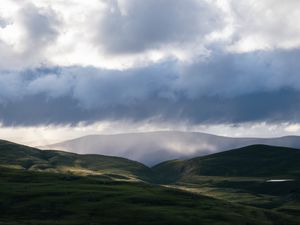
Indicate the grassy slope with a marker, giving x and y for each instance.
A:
(240, 176)
(45, 198)
(251, 161)
(230, 179)
(22, 157)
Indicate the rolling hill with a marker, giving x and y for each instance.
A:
(250, 161)
(23, 157)
(58, 188)
(155, 147)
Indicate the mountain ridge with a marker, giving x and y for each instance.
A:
(151, 148)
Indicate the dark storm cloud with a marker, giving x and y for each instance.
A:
(224, 88)
(136, 26)
(230, 75)
(276, 106)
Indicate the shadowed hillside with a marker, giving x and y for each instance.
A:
(250, 161)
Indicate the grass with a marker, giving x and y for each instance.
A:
(250, 161)
(23, 157)
(250, 191)
(46, 198)
(52, 187)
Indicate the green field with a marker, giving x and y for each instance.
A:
(52, 187)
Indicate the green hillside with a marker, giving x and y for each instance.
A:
(229, 188)
(243, 176)
(32, 198)
(250, 161)
(22, 157)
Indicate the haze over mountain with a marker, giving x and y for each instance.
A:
(154, 147)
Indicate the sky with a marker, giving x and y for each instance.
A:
(70, 68)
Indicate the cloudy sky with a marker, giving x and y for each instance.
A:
(73, 67)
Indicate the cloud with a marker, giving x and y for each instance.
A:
(28, 33)
(3, 23)
(40, 27)
(134, 26)
(197, 61)
(268, 24)
(259, 86)
(232, 74)
(119, 34)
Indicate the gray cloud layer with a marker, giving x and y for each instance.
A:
(191, 61)
(258, 86)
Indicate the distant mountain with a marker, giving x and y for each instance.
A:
(154, 147)
(23, 157)
(250, 161)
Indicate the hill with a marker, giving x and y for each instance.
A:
(250, 161)
(154, 147)
(54, 187)
(23, 157)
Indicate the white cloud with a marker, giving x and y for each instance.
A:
(265, 25)
(293, 128)
(107, 33)
(118, 34)
(28, 33)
